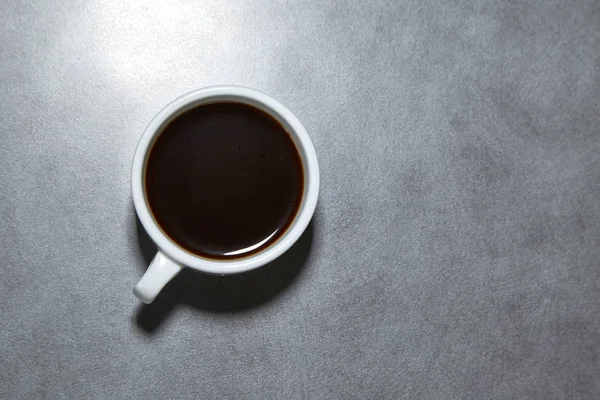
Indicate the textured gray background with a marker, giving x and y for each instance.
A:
(455, 252)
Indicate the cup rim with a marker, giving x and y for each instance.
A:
(307, 154)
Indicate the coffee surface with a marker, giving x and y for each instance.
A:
(224, 180)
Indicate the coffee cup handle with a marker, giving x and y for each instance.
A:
(161, 270)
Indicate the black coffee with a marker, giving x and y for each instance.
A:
(224, 180)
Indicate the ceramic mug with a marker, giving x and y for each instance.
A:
(171, 258)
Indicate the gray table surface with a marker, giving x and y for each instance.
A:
(455, 251)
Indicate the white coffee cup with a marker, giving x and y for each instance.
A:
(171, 258)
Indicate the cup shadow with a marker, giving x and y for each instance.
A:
(221, 294)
